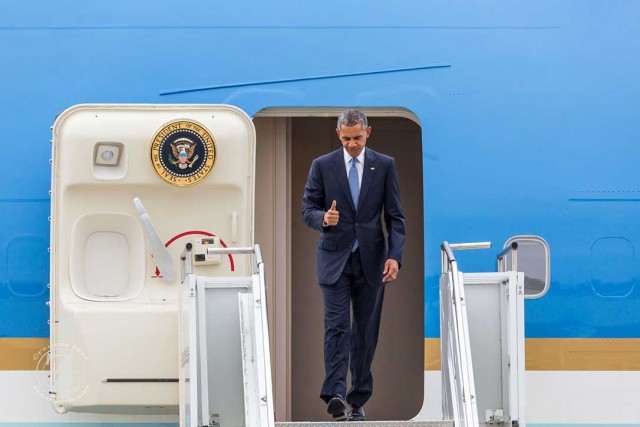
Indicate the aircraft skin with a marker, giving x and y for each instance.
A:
(530, 121)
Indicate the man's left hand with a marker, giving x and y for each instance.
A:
(391, 270)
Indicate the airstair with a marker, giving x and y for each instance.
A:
(225, 376)
(225, 368)
(482, 340)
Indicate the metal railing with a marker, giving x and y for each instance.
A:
(458, 388)
(448, 258)
(511, 250)
(259, 408)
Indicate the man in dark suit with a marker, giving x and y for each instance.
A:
(344, 198)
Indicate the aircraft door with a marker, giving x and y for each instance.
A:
(114, 314)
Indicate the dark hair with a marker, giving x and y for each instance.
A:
(352, 117)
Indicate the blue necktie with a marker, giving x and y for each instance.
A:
(354, 186)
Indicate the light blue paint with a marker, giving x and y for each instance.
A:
(532, 124)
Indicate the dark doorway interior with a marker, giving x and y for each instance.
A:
(399, 365)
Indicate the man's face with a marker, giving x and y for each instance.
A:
(353, 138)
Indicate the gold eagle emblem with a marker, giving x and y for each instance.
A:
(183, 150)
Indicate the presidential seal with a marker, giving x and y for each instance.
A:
(183, 152)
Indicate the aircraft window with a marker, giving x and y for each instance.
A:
(533, 259)
(612, 267)
(27, 266)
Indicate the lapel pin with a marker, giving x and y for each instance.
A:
(372, 168)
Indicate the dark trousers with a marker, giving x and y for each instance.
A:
(346, 342)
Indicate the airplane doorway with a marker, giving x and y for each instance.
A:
(287, 142)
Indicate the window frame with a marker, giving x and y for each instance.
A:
(547, 259)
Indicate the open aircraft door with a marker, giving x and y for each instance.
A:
(114, 290)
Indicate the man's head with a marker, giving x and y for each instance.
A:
(353, 131)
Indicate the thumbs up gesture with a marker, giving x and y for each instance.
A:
(332, 216)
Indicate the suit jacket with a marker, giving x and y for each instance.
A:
(379, 192)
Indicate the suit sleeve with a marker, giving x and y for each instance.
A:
(313, 200)
(393, 215)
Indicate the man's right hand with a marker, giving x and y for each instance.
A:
(332, 216)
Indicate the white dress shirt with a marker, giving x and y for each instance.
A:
(359, 165)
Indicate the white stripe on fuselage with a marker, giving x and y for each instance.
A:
(22, 400)
(563, 397)
(553, 397)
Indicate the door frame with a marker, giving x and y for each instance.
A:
(278, 238)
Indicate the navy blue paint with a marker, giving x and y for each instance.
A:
(541, 102)
(301, 79)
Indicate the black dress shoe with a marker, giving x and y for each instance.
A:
(356, 413)
(337, 408)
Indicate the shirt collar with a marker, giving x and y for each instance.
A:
(347, 156)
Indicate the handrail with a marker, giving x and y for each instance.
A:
(187, 264)
(448, 248)
(232, 251)
(239, 251)
(512, 246)
(500, 258)
(467, 246)
(450, 257)
(467, 405)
